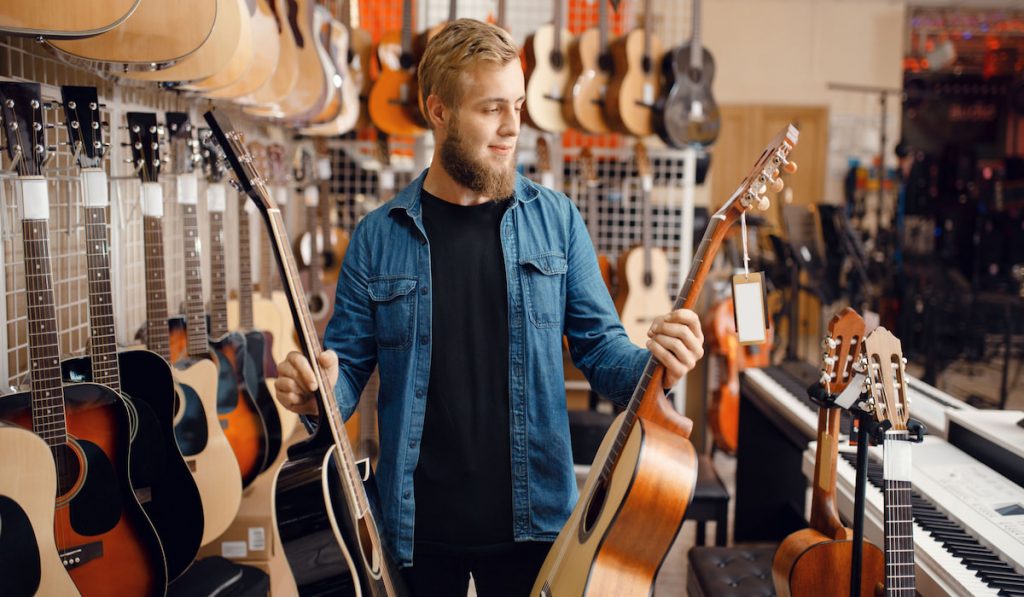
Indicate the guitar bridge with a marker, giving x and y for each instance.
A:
(81, 554)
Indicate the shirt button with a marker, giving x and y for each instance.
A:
(412, 443)
(408, 495)
(424, 290)
(424, 340)
(419, 393)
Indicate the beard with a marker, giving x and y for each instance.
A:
(496, 182)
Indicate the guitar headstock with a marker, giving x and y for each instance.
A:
(260, 155)
(588, 167)
(764, 176)
(278, 168)
(184, 147)
(144, 136)
(842, 350)
(212, 155)
(85, 126)
(232, 143)
(887, 381)
(21, 110)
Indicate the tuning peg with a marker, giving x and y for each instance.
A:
(790, 167)
(763, 204)
(777, 184)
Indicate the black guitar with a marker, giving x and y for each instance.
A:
(688, 113)
(323, 511)
(161, 478)
(106, 541)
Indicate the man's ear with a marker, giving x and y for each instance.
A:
(437, 112)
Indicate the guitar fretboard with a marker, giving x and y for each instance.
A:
(218, 285)
(48, 419)
(102, 340)
(157, 332)
(195, 316)
(899, 523)
(245, 317)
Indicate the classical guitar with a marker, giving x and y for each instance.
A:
(320, 486)
(643, 270)
(241, 55)
(104, 538)
(816, 560)
(688, 114)
(887, 383)
(394, 102)
(266, 53)
(635, 84)
(265, 101)
(249, 421)
(29, 563)
(593, 217)
(642, 478)
(60, 19)
(547, 74)
(159, 475)
(339, 116)
(155, 34)
(590, 66)
(360, 56)
(197, 430)
(213, 56)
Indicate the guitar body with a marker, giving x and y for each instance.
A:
(29, 563)
(256, 351)
(64, 19)
(97, 516)
(265, 55)
(310, 93)
(210, 58)
(159, 475)
(361, 52)
(641, 299)
(241, 54)
(646, 498)
(393, 96)
(340, 116)
(159, 33)
(319, 539)
(205, 447)
(285, 75)
(724, 377)
(237, 409)
(583, 107)
(633, 89)
(688, 113)
(809, 563)
(546, 83)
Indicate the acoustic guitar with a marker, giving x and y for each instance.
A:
(104, 538)
(643, 270)
(547, 74)
(29, 563)
(688, 114)
(816, 560)
(590, 67)
(360, 55)
(887, 383)
(339, 116)
(159, 475)
(197, 430)
(635, 84)
(211, 57)
(322, 509)
(266, 53)
(265, 101)
(241, 55)
(394, 102)
(61, 19)
(634, 500)
(154, 36)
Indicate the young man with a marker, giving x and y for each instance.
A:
(460, 289)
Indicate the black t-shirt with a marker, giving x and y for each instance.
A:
(463, 480)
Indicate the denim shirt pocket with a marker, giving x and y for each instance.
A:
(544, 276)
(394, 306)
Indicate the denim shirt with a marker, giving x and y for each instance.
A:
(382, 316)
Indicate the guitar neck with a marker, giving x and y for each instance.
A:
(315, 257)
(102, 339)
(824, 511)
(899, 524)
(157, 332)
(266, 268)
(195, 315)
(647, 34)
(245, 316)
(602, 24)
(218, 284)
(48, 418)
(559, 7)
(696, 49)
(407, 27)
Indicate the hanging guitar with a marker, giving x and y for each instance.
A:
(160, 477)
(547, 74)
(59, 19)
(105, 540)
(688, 114)
(320, 486)
(393, 104)
(887, 384)
(816, 560)
(590, 67)
(635, 84)
(634, 500)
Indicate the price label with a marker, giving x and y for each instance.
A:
(748, 294)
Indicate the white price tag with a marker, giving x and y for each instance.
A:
(233, 550)
(387, 179)
(748, 295)
(547, 179)
(648, 94)
(257, 538)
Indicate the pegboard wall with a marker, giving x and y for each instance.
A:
(361, 180)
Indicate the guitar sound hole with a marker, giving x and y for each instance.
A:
(556, 60)
(648, 279)
(646, 64)
(406, 61)
(605, 63)
(316, 303)
(69, 470)
(595, 507)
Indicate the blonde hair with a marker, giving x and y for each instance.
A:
(459, 46)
